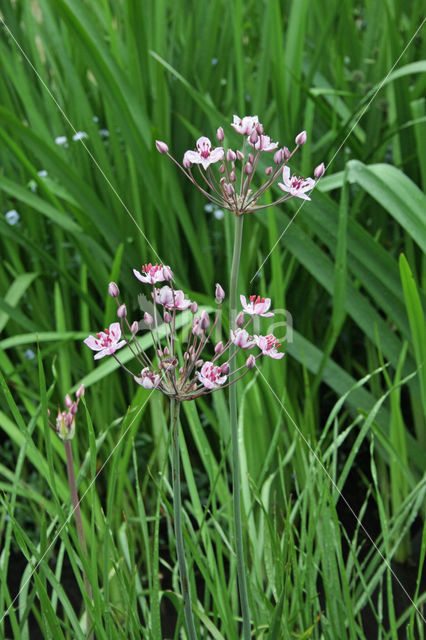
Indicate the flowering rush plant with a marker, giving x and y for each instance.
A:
(233, 188)
(194, 374)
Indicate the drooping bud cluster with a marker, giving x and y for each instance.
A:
(65, 420)
(222, 190)
(196, 374)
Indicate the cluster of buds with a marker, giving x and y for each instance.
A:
(233, 188)
(192, 375)
(65, 420)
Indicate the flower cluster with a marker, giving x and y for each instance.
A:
(65, 420)
(235, 192)
(193, 374)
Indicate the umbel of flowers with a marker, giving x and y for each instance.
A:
(232, 186)
(196, 373)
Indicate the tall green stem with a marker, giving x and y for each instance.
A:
(177, 513)
(241, 571)
(78, 523)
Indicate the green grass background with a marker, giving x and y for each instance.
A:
(350, 269)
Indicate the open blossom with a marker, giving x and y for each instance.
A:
(171, 298)
(245, 125)
(106, 342)
(211, 375)
(205, 154)
(153, 273)
(257, 306)
(295, 186)
(242, 339)
(269, 345)
(148, 379)
(264, 143)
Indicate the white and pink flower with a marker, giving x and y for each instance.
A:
(296, 186)
(204, 155)
(106, 342)
(241, 338)
(211, 376)
(148, 379)
(245, 125)
(257, 306)
(154, 273)
(269, 345)
(264, 144)
(172, 299)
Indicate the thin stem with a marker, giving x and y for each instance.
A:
(177, 513)
(241, 571)
(79, 524)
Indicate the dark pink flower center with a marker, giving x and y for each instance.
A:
(105, 340)
(150, 269)
(272, 342)
(204, 149)
(257, 300)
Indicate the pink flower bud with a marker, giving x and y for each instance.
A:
(167, 273)
(198, 363)
(219, 293)
(148, 319)
(159, 353)
(240, 319)
(254, 137)
(232, 176)
(287, 153)
(219, 134)
(240, 155)
(222, 168)
(122, 311)
(279, 156)
(251, 361)
(259, 128)
(113, 290)
(167, 318)
(224, 368)
(230, 155)
(319, 171)
(80, 391)
(161, 146)
(186, 161)
(74, 408)
(194, 307)
(222, 180)
(268, 171)
(134, 328)
(205, 320)
(229, 190)
(301, 138)
(251, 158)
(248, 168)
(166, 351)
(68, 401)
(218, 348)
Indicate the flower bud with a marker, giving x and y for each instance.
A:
(301, 138)
(222, 168)
(259, 128)
(287, 153)
(166, 351)
(167, 318)
(251, 158)
(113, 290)
(219, 293)
(80, 391)
(167, 273)
(268, 171)
(74, 408)
(219, 134)
(251, 361)
(205, 320)
(319, 171)
(230, 155)
(232, 176)
(134, 328)
(122, 311)
(194, 307)
(161, 146)
(229, 190)
(279, 156)
(68, 401)
(218, 348)
(254, 137)
(147, 318)
(198, 363)
(224, 368)
(240, 319)
(248, 168)
(240, 155)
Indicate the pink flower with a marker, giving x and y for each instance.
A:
(268, 345)
(153, 273)
(264, 143)
(211, 376)
(242, 339)
(107, 342)
(245, 125)
(205, 154)
(296, 186)
(257, 306)
(148, 379)
(172, 299)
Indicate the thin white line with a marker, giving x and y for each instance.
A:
(73, 511)
(344, 141)
(343, 497)
(92, 157)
